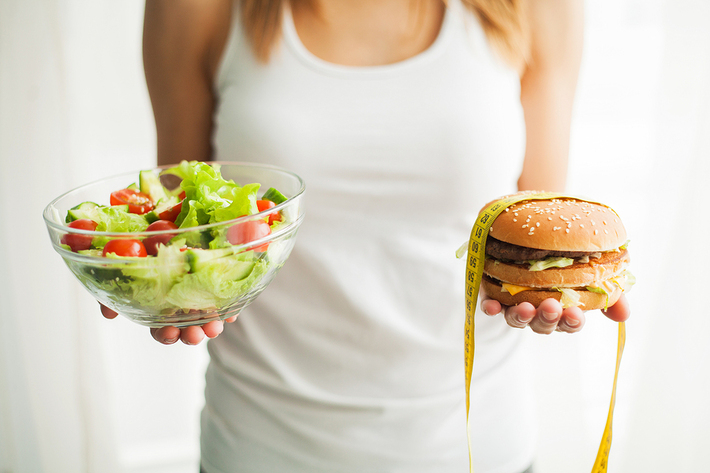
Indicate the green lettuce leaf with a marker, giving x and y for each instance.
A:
(115, 219)
(218, 282)
(152, 278)
(209, 198)
(551, 262)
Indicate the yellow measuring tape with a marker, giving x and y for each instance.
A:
(474, 274)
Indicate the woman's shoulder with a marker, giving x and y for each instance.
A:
(184, 33)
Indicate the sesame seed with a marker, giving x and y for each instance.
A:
(537, 224)
(604, 222)
(554, 229)
(524, 226)
(581, 225)
(549, 218)
(596, 231)
(507, 209)
(593, 222)
(515, 220)
(566, 230)
(606, 231)
(530, 232)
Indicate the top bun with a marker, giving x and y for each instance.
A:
(563, 224)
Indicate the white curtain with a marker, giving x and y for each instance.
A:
(79, 393)
(641, 143)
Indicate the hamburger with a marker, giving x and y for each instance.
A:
(562, 248)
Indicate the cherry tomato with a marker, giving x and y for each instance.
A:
(138, 202)
(172, 213)
(125, 248)
(151, 243)
(79, 242)
(244, 232)
(265, 205)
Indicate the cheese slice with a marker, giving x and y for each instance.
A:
(513, 289)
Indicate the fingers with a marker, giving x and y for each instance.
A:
(166, 335)
(521, 315)
(620, 311)
(548, 317)
(212, 329)
(491, 307)
(191, 335)
(572, 320)
(108, 313)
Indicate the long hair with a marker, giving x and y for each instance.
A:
(503, 21)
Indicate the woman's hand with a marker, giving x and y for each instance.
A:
(191, 335)
(550, 315)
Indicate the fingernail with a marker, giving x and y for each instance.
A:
(549, 316)
(170, 340)
(572, 322)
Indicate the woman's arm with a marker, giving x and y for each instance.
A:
(548, 86)
(183, 42)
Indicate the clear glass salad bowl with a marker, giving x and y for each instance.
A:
(197, 274)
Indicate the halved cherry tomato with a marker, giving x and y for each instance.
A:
(244, 232)
(138, 202)
(125, 248)
(172, 213)
(79, 242)
(266, 205)
(151, 243)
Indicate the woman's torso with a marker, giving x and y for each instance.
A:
(352, 359)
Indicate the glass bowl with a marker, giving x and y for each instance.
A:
(187, 285)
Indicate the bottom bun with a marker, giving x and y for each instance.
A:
(588, 300)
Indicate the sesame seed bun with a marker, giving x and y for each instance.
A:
(560, 224)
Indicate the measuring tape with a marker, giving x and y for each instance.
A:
(474, 274)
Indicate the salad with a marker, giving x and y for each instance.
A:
(165, 267)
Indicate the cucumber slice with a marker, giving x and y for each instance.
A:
(197, 258)
(274, 196)
(91, 252)
(89, 210)
(213, 260)
(150, 184)
(83, 210)
(133, 187)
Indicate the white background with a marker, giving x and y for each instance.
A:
(82, 394)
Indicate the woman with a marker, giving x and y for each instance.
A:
(404, 117)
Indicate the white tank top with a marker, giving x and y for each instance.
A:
(352, 359)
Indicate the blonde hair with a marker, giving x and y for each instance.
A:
(504, 22)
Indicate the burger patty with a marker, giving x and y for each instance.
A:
(508, 252)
